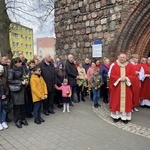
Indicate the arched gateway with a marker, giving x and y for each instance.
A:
(121, 25)
(135, 35)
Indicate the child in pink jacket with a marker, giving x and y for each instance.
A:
(66, 94)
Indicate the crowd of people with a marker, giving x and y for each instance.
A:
(35, 86)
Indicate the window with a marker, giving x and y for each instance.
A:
(40, 51)
(13, 43)
(15, 35)
(17, 44)
(16, 27)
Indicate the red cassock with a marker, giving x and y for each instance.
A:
(145, 85)
(136, 85)
(115, 91)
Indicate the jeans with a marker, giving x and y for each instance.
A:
(73, 90)
(96, 95)
(2, 113)
(37, 109)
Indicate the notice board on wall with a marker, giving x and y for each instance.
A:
(97, 49)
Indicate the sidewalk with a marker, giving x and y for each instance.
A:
(139, 124)
(81, 129)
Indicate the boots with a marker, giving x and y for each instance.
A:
(41, 120)
(37, 121)
(83, 99)
(18, 124)
(51, 110)
(24, 122)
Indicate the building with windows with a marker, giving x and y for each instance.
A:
(21, 40)
(45, 45)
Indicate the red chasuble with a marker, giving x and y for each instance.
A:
(136, 85)
(145, 85)
(121, 95)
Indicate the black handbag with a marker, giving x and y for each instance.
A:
(6, 105)
(15, 88)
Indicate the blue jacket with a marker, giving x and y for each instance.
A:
(104, 72)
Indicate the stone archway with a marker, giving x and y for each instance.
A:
(135, 35)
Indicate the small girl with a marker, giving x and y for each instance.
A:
(96, 82)
(66, 94)
(39, 93)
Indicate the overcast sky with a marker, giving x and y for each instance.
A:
(24, 12)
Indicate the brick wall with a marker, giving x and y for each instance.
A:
(79, 23)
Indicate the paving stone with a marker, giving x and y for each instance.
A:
(7, 146)
(3, 141)
(85, 127)
(133, 128)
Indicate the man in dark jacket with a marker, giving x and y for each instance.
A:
(49, 75)
(71, 73)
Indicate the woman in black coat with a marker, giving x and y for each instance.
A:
(60, 75)
(15, 79)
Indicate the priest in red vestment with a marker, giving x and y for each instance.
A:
(122, 76)
(139, 71)
(145, 86)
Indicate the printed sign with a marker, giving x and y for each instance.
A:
(97, 49)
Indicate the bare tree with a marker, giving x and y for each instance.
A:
(4, 30)
(36, 11)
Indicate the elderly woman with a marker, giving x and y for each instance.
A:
(81, 82)
(17, 86)
(104, 73)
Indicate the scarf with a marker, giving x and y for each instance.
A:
(107, 65)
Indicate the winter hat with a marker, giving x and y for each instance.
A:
(1, 68)
(58, 64)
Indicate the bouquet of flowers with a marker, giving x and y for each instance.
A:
(26, 77)
(89, 90)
